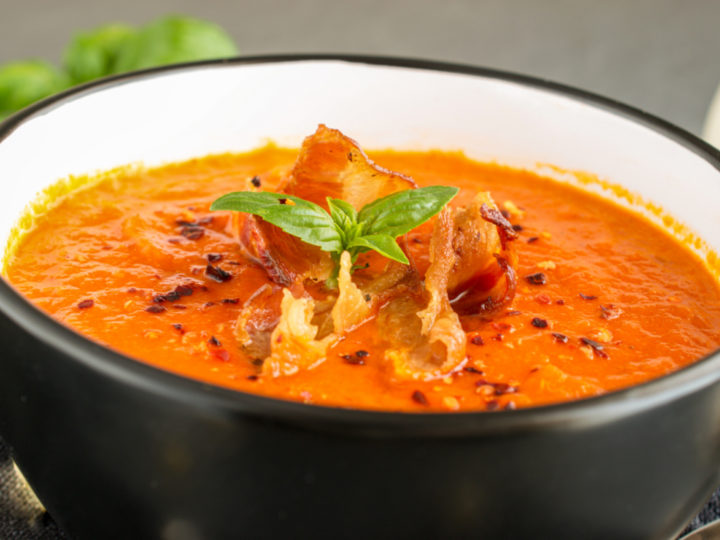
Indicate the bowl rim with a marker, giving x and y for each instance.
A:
(576, 414)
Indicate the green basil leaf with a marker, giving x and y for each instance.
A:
(23, 83)
(401, 212)
(304, 219)
(174, 39)
(342, 213)
(93, 54)
(384, 244)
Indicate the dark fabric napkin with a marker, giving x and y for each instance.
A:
(23, 518)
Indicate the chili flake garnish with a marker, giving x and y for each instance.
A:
(587, 296)
(215, 342)
(155, 308)
(537, 322)
(179, 327)
(609, 312)
(419, 397)
(471, 369)
(192, 232)
(252, 377)
(217, 274)
(214, 257)
(477, 340)
(596, 347)
(255, 181)
(492, 405)
(230, 301)
(560, 338)
(85, 304)
(537, 278)
(533, 239)
(221, 354)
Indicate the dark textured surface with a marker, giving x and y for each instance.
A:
(659, 55)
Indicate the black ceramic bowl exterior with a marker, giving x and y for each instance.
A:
(118, 449)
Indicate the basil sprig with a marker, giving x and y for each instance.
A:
(374, 227)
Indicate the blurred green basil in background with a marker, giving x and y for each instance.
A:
(111, 49)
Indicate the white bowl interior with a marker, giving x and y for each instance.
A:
(191, 112)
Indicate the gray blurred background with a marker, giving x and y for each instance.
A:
(658, 55)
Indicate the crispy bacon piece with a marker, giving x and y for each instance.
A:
(293, 342)
(333, 165)
(259, 317)
(329, 165)
(483, 277)
(351, 308)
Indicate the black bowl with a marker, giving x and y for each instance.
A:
(118, 449)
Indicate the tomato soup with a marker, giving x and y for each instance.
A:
(603, 299)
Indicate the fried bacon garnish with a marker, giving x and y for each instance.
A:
(333, 165)
(418, 316)
(293, 342)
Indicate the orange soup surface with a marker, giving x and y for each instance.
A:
(604, 299)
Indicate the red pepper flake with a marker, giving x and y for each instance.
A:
(85, 304)
(543, 299)
(221, 354)
(173, 240)
(588, 296)
(560, 338)
(560, 302)
(596, 347)
(255, 181)
(192, 232)
(350, 156)
(419, 398)
(510, 406)
(354, 359)
(208, 304)
(498, 337)
(477, 340)
(179, 306)
(362, 353)
(472, 369)
(416, 240)
(252, 377)
(537, 278)
(132, 290)
(533, 239)
(207, 220)
(155, 309)
(282, 200)
(230, 300)
(185, 223)
(537, 322)
(214, 257)
(217, 274)
(183, 290)
(504, 388)
(517, 227)
(513, 313)
(610, 312)
(179, 327)
(215, 342)
(492, 405)
(504, 213)
(501, 326)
